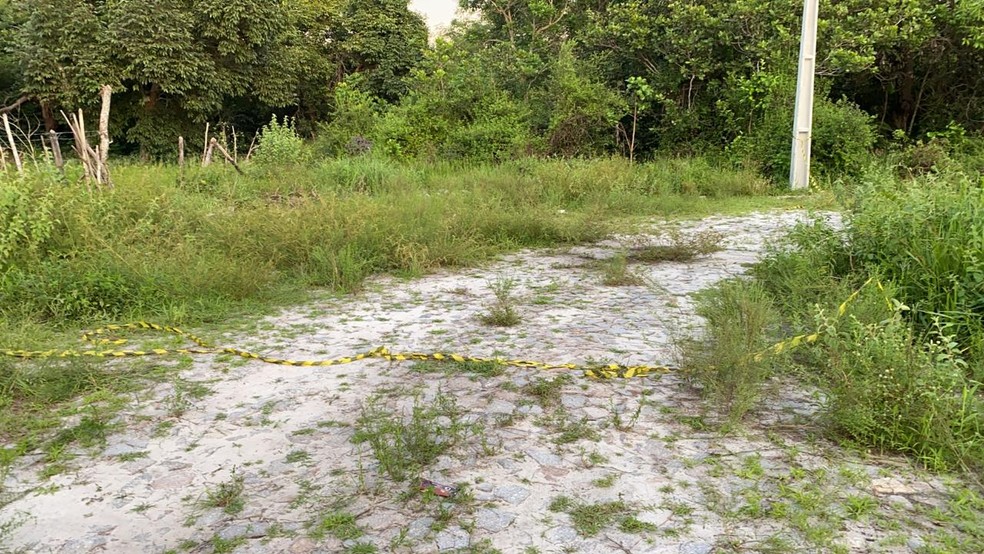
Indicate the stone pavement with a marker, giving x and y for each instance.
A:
(265, 462)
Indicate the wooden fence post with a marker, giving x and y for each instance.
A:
(13, 145)
(107, 94)
(205, 150)
(56, 150)
(208, 152)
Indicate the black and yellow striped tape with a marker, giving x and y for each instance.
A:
(607, 371)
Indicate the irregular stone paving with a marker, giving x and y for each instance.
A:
(286, 433)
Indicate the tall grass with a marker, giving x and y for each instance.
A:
(188, 247)
(901, 370)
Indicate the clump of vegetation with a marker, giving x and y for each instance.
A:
(615, 272)
(227, 495)
(546, 391)
(902, 367)
(502, 312)
(403, 444)
(738, 317)
(591, 519)
(680, 247)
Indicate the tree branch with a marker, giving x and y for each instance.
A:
(15, 105)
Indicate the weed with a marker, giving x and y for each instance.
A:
(298, 456)
(451, 367)
(681, 248)
(573, 431)
(590, 519)
(131, 456)
(362, 548)
(561, 504)
(340, 525)
(751, 467)
(616, 272)
(227, 495)
(546, 391)
(224, 546)
(632, 524)
(737, 314)
(858, 506)
(502, 312)
(605, 482)
(405, 443)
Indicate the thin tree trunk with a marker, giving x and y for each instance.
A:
(235, 145)
(3, 160)
(107, 94)
(181, 153)
(13, 145)
(56, 150)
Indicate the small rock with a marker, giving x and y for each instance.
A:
(125, 446)
(248, 530)
(512, 494)
(302, 546)
(900, 501)
(506, 464)
(419, 528)
(484, 487)
(211, 517)
(501, 407)
(83, 545)
(572, 401)
(890, 486)
(915, 544)
(696, 548)
(532, 410)
(544, 458)
(562, 535)
(452, 538)
(494, 521)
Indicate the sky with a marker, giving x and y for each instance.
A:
(437, 12)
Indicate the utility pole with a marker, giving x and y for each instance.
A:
(799, 170)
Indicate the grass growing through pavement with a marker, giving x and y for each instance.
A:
(681, 247)
(227, 495)
(502, 311)
(591, 519)
(403, 444)
(615, 272)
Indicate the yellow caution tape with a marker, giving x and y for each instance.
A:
(799, 340)
(609, 371)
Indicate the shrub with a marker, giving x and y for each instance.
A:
(738, 316)
(279, 144)
(891, 390)
(26, 222)
(843, 137)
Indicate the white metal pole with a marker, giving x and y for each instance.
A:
(799, 171)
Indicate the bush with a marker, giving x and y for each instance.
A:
(280, 145)
(929, 240)
(25, 220)
(843, 137)
(738, 316)
(892, 390)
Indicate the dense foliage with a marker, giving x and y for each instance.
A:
(526, 77)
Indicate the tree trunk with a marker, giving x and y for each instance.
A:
(50, 123)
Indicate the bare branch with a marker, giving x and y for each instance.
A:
(20, 101)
